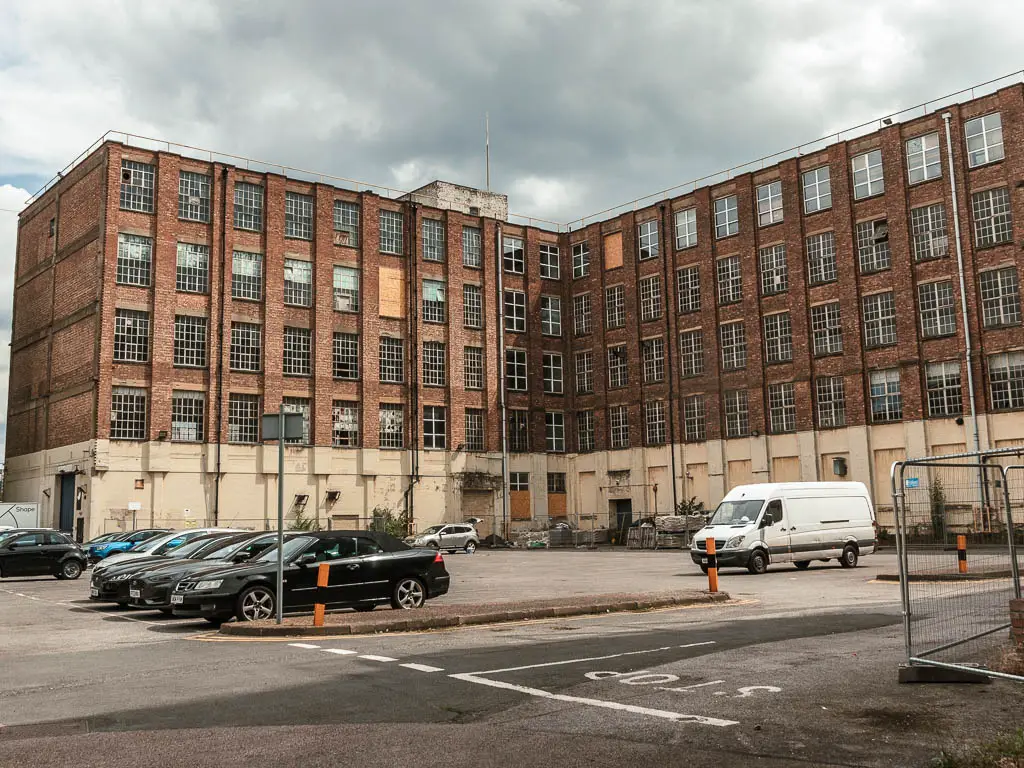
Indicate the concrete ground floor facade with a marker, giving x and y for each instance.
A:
(100, 485)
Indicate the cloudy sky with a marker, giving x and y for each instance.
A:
(592, 102)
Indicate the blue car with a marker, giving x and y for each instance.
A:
(123, 543)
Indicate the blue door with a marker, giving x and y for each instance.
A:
(67, 502)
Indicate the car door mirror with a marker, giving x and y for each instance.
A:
(766, 521)
(306, 558)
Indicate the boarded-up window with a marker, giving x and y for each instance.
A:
(739, 473)
(520, 504)
(613, 250)
(883, 464)
(392, 292)
(556, 505)
(697, 483)
(786, 469)
(587, 504)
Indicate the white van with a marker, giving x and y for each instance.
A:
(789, 523)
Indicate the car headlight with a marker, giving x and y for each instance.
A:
(209, 584)
(735, 541)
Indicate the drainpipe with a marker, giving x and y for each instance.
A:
(414, 370)
(220, 337)
(946, 116)
(670, 342)
(501, 385)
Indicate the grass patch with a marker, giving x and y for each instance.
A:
(1004, 752)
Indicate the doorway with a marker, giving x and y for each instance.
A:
(67, 502)
(623, 509)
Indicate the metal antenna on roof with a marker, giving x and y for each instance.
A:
(487, 147)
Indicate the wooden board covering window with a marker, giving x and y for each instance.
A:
(786, 469)
(613, 250)
(392, 292)
(520, 502)
(556, 505)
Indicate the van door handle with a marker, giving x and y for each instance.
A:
(793, 528)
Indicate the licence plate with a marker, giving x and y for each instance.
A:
(93, 592)
(703, 561)
(177, 599)
(135, 593)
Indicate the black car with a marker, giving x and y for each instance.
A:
(366, 568)
(40, 553)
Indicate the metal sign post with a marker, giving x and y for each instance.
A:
(281, 426)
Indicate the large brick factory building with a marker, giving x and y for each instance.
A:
(800, 321)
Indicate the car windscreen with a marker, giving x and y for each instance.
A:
(7, 535)
(187, 549)
(292, 547)
(737, 512)
(225, 550)
(433, 529)
(151, 545)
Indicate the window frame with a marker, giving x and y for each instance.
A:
(872, 174)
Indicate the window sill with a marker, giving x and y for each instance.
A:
(549, 277)
(299, 237)
(765, 295)
(388, 381)
(347, 311)
(192, 293)
(719, 238)
(187, 367)
(258, 230)
(131, 362)
(472, 266)
(938, 336)
(246, 299)
(685, 247)
(730, 302)
(581, 277)
(551, 335)
(298, 306)
(816, 212)
(1000, 326)
(433, 322)
(648, 258)
(655, 381)
(345, 378)
(770, 224)
(135, 210)
(919, 182)
(865, 272)
(245, 370)
(986, 164)
(823, 282)
(133, 285)
(473, 327)
(651, 319)
(186, 442)
(296, 375)
(821, 355)
(779, 362)
(872, 196)
(990, 246)
(194, 221)
(880, 346)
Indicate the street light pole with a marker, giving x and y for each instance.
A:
(280, 513)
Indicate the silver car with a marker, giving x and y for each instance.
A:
(448, 537)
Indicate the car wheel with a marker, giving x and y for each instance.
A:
(254, 604)
(70, 569)
(802, 565)
(470, 547)
(758, 562)
(434, 545)
(850, 557)
(408, 593)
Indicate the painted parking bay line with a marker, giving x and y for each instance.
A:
(340, 651)
(422, 667)
(371, 657)
(304, 645)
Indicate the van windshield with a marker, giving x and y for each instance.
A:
(737, 512)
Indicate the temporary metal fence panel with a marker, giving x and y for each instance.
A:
(957, 544)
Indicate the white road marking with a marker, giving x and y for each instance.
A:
(691, 687)
(590, 658)
(303, 645)
(696, 645)
(371, 657)
(422, 667)
(108, 614)
(340, 651)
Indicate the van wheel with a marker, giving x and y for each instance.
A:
(758, 562)
(850, 557)
(802, 565)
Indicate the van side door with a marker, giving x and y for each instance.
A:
(775, 532)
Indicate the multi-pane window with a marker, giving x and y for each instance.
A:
(928, 232)
(551, 315)
(128, 413)
(769, 203)
(778, 338)
(392, 360)
(472, 248)
(552, 368)
(346, 289)
(867, 175)
(727, 220)
(433, 240)
(647, 236)
(1000, 297)
(512, 255)
(935, 302)
(821, 258)
(650, 298)
(472, 306)
(346, 356)
(984, 139)
(691, 353)
(774, 272)
(584, 372)
(346, 223)
(519, 481)
(582, 320)
(737, 413)
(187, 416)
(694, 419)
(782, 408)
(433, 301)
(247, 275)
(248, 206)
(733, 338)
(653, 354)
(518, 431)
(345, 424)
(297, 351)
(831, 401)
(137, 181)
(556, 482)
(193, 268)
(435, 427)
(190, 341)
(391, 232)
(923, 161)
(873, 246)
(299, 405)
(654, 422)
(817, 190)
(473, 367)
(434, 364)
(550, 267)
(618, 368)
(554, 431)
(298, 216)
(686, 228)
(945, 397)
(618, 422)
(298, 283)
(730, 280)
(515, 369)
(134, 260)
(131, 336)
(826, 329)
(246, 349)
(580, 260)
(879, 319)
(993, 219)
(688, 289)
(243, 418)
(515, 311)
(1006, 378)
(585, 431)
(391, 433)
(615, 306)
(886, 400)
(193, 196)
(474, 426)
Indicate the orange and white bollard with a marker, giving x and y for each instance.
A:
(961, 553)
(712, 565)
(322, 573)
